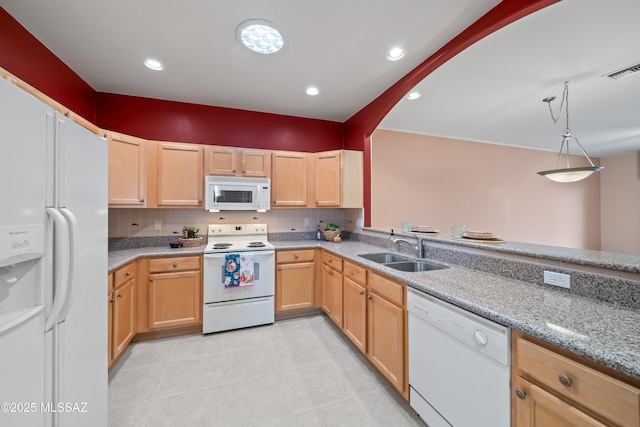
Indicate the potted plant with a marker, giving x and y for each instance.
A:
(190, 236)
(331, 232)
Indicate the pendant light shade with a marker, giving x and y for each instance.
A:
(567, 174)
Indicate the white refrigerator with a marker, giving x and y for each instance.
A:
(53, 267)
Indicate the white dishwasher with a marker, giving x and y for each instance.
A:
(459, 365)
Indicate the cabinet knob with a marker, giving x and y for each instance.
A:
(369, 297)
(361, 292)
(175, 264)
(279, 268)
(330, 261)
(234, 171)
(151, 279)
(244, 172)
(296, 256)
(521, 394)
(565, 380)
(330, 273)
(112, 300)
(128, 273)
(119, 295)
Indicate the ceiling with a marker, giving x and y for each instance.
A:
(491, 92)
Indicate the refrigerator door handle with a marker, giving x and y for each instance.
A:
(73, 262)
(61, 266)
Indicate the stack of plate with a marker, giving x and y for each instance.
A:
(480, 235)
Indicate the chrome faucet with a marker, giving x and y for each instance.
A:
(417, 247)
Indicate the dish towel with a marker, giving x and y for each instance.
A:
(238, 270)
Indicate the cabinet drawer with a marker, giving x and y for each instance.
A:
(123, 274)
(355, 273)
(593, 390)
(158, 265)
(387, 288)
(305, 255)
(332, 261)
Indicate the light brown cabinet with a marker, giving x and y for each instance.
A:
(338, 180)
(175, 292)
(552, 388)
(230, 161)
(288, 179)
(332, 287)
(110, 317)
(355, 305)
(295, 273)
(175, 174)
(386, 328)
(127, 171)
(123, 305)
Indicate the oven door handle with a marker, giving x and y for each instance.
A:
(256, 255)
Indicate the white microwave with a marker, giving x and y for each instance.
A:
(230, 193)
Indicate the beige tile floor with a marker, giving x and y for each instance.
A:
(298, 372)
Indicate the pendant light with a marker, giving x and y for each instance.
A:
(567, 174)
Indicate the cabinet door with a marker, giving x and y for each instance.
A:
(180, 175)
(256, 163)
(288, 179)
(221, 161)
(332, 294)
(538, 408)
(328, 183)
(124, 316)
(386, 339)
(294, 286)
(126, 171)
(355, 313)
(175, 299)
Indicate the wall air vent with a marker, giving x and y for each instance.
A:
(617, 75)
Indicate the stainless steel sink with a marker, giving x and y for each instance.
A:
(384, 258)
(415, 266)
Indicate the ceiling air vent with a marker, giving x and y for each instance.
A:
(624, 73)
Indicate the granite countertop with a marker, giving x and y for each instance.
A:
(599, 331)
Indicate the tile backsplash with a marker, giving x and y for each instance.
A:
(124, 222)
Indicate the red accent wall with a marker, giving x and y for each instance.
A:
(178, 121)
(25, 57)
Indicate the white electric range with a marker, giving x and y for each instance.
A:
(247, 303)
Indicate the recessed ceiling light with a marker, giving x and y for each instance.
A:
(261, 36)
(395, 54)
(154, 64)
(312, 90)
(413, 95)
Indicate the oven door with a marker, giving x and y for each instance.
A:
(264, 278)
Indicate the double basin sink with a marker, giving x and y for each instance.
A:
(402, 263)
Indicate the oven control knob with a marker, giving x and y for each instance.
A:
(480, 337)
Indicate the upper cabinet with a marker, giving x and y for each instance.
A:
(176, 174)
(288, 179)
(338, 179)
(229, 161)
(127, 172)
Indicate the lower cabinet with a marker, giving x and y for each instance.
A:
(554, 388)
(295, 277)
(122, 310)
(175, 292)
(371, 311)
(332, 287)
(355, 305)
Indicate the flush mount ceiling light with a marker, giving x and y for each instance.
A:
(395, 54)
(312, 91)
(567, 174)
(413, 95)
(154, 64)
(261, 36)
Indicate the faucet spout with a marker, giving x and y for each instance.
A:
(417, 247)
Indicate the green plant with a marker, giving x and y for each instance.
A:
(190, 232)
(332, 227)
